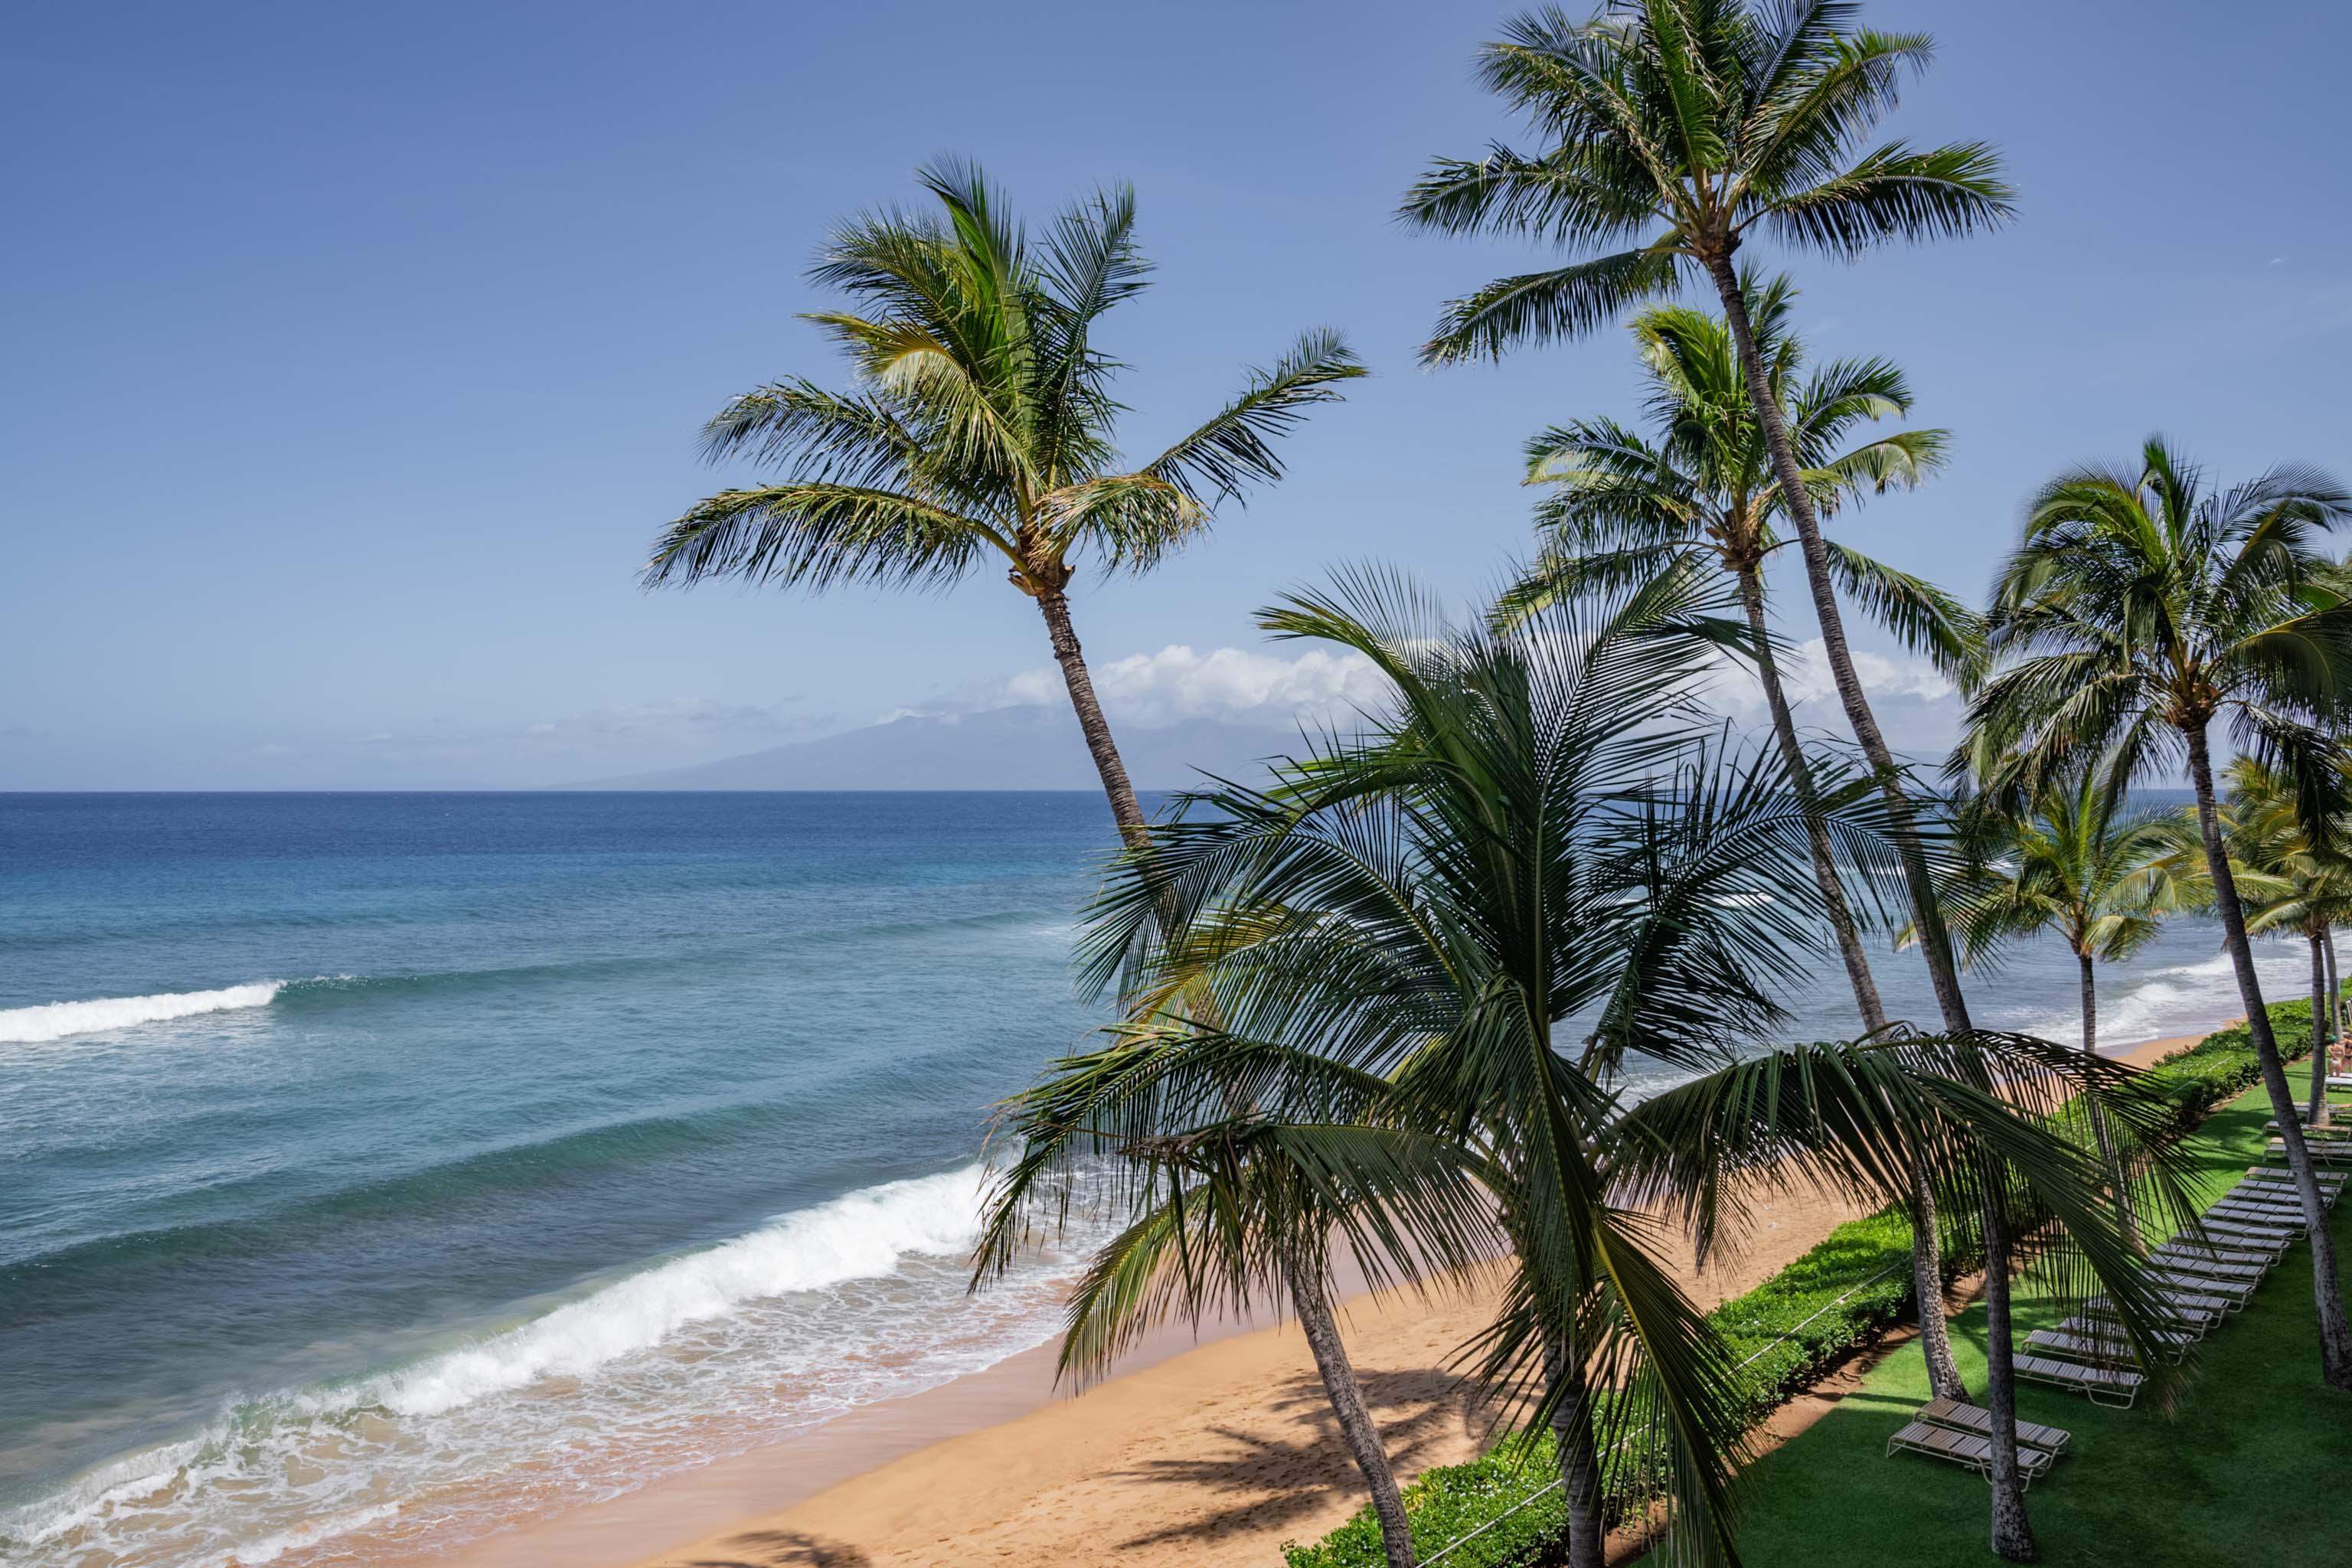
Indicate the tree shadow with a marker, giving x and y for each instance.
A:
(786, 1548)
(1275, 1481)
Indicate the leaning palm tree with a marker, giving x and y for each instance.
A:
(2077, 865)
(1234, 1189)
(981, 427)
(1530, 867)
(1626, 505)
(2140, 607)
(2290, 883)
(1677, 131)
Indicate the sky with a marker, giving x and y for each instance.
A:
(354, 354)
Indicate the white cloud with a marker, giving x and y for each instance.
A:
(1151, 691)
(1915, 702)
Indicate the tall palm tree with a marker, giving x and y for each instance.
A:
(1626, 506)
(2297, 884)
(1515, 876)
(1678, 129)
(981, 427)
(2140, 607)
(2077, 865)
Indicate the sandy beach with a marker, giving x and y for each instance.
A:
(1209, 1453)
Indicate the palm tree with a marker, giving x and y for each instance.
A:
(1678, 129)
(1626, 507)
(1520, 873)
(981, 427)
(2140, 607)
(2288, 883)
(2078, 867)
(1233, 1189)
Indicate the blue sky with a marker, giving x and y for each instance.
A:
(354, 353)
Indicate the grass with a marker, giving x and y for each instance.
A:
(1841, 1295)
(2249, 1471)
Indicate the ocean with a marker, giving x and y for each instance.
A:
(374, 1166)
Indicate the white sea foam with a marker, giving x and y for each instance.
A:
(55, 1020)
(2179, 999)
(860, 1235)
(839, 1305)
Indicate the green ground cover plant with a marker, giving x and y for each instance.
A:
(1843, 1294)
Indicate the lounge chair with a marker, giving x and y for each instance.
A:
(2234, 1248)
(2236, 1292)
(2113, 1343)
(2260, 1210)
(2101, 1384)
(1967, 1449)
(2270, 1178)
(2328, 1151)
(2269, 1241)
(1964, 1417)
(2216, 1265)
(2195, 1312)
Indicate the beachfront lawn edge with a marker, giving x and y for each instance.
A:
(1503, 1509)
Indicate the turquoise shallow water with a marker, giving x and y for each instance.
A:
(465, 1069)
(371, 1165)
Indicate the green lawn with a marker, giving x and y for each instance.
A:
(2253, 1469)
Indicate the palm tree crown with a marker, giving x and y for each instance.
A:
(2082, 867)
(2142, 607)
(1623, 503)
(1674, 130)
(981, 425)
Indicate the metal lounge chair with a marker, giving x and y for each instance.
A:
(2112, 1385)
(2235, 1292)
(2194, 1312)
(1965, 1449)
(1964, 1417)
(2108, 1334)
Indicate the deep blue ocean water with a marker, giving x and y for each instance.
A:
(364, 1159)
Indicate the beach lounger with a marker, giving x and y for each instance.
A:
(2270, 1178)
(2236, 1292)
(2188, 1260)
(1967, 1449)
(2113, 1344)
(2080, 1340)
(2268, 1221)
(2230, 1249)
(2197, 1313)
(2271, 1241)
(2101, 1384)
(1964, 1417)
(2333, 1179)
(2327, 1151)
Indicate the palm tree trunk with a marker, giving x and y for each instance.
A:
(1927, 1252)
(2335, 1334)
(2116, 1172)
(1132, 829)
(1580, 1459)
(2321, 1035)
(2335, 987)
(2011, 1537)
(2012, 1532)
(1355, 1418)
(1926, 913)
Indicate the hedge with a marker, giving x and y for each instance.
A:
(1843, 1294)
